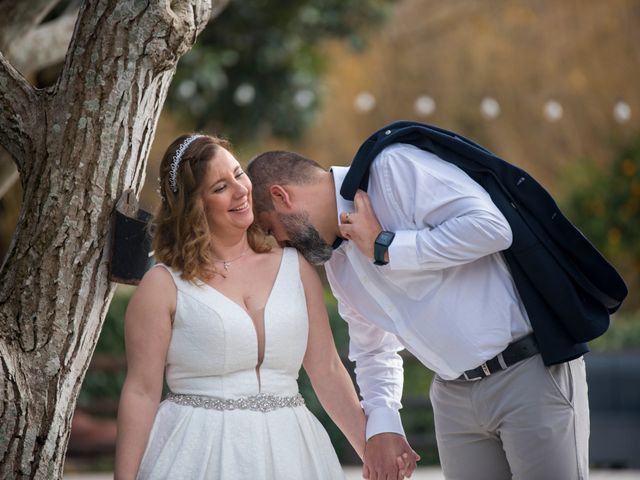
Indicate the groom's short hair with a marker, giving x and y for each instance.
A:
(278, 167)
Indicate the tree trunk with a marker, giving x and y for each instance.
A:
(77, 146)
(30, 47)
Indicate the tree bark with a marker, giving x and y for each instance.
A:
(78, 145)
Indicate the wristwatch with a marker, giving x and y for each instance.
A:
(381, 245)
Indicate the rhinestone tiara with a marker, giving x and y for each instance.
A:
(175, 161)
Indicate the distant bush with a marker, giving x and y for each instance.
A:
(623, 334)
(605, 205)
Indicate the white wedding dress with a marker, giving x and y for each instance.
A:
(213, 353)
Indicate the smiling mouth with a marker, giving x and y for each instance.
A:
(242, 207)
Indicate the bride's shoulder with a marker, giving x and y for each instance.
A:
(292, 253)
(271, 258)
(160, 276)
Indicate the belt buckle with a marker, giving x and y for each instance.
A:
(471, 379)
(485, 370)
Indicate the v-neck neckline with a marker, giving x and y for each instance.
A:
(264, 308)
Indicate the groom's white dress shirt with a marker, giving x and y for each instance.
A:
(446, 295)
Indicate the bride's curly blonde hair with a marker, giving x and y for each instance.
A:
(180, 232)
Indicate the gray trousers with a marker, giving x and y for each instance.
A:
(528, 422)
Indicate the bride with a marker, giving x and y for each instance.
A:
(229, 320)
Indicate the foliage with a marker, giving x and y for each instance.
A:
(98, 384)
(255, 71)
(605, 204)
(623, 334)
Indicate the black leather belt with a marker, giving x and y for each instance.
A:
(520, 349)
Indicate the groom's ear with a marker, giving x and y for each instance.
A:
(280, 197)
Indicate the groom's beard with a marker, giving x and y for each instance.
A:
(304, 237)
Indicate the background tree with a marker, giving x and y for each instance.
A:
(258, 73)
(77, 146)
(437, 62)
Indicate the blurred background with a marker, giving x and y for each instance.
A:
(548, 85)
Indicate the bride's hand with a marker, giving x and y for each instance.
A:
(380, 453)
(406, 467)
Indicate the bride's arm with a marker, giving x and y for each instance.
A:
(147, 335)
(329, 378)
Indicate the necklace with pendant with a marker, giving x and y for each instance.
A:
(226, 263)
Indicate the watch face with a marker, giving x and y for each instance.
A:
(385, 238)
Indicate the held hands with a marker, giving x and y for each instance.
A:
(388, 456)
(361, 226)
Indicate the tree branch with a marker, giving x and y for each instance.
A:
(19, 104)
(43, 46)
(217, 6)
(8, 173)
(17, 18)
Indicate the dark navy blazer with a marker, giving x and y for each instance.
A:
(566, 285)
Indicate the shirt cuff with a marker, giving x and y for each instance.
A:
(384, 420)
(403, 253)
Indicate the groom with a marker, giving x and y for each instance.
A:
(417, 262)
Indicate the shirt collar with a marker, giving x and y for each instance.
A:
(342, 205)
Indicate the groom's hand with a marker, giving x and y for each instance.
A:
(381, 454)
(361, 226)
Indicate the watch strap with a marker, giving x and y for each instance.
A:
(381, 246)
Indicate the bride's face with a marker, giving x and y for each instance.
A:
(226, 194)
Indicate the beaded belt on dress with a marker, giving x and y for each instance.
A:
(262, 402)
